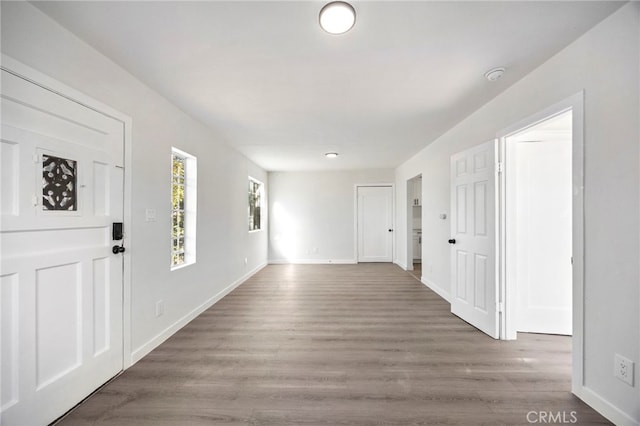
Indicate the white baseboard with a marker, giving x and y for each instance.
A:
(604, 407)
(436, 289)
(143, 350)
(312, 261)
(402, 265)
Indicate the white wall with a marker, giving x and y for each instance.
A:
(312, 214)
(223, 240)
(605, 64)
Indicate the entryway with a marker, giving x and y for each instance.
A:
(61, 282)
(538, 214)
(516, 228)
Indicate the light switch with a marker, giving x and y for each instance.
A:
(150, 215)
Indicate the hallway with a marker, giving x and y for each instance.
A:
(338, 345)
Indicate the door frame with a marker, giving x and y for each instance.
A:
(355, 217)
(410, 254)
(507, 290)
(33, 76)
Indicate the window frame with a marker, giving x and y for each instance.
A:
(250, 218)
(187, 210)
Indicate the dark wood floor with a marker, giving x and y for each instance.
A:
(338, 345)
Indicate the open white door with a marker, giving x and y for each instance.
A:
(61, 284)
(474, 287)
(375, 223)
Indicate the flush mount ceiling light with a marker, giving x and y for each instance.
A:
(337, 17)
(494, 74)
(331, 154)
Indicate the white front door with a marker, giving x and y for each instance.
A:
(474, 286)
(61, 284)
(375, 223)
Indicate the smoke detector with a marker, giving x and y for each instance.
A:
(494, 73)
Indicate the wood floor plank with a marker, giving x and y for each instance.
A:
(363, 344)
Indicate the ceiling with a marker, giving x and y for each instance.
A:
(272, 84)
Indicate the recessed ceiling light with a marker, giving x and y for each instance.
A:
(494, 73)
(337, 17)
(331, 154)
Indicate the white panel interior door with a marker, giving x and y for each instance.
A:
(61, 285)
(542, 219)
(474, 287)
(375, 223)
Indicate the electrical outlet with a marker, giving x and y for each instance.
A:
(246, 261)
(159, 308)
(623, 369)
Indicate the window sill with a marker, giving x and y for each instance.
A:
(184, 265)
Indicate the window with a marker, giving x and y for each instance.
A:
(256, 192)
(183, 208)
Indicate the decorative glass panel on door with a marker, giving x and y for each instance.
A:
(59, 183)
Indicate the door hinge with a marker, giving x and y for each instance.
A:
(499, 167)
(500, 307)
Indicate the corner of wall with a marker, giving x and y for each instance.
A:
(604, 407)
(400, 264)
(436, 289)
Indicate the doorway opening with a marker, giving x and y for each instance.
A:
(414, 226)
(538, 220)
(497, 224)
(566, 116)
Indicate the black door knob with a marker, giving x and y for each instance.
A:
(390, 230)
(452, 241)
(117, 249)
